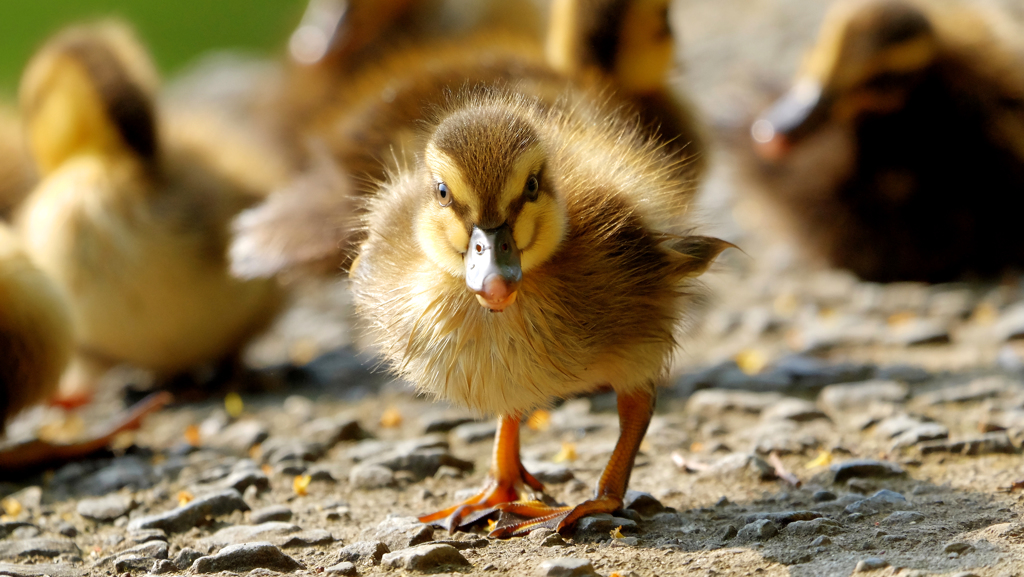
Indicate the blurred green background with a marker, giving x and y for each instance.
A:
(176, 31)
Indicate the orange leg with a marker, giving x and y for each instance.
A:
(635, 412)
(36, 454)
(505, 482)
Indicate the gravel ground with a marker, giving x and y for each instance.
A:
(817, 426)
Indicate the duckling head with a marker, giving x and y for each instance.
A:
(868, 57)
(89, 90)
(490, 212)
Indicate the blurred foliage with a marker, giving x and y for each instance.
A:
(176, 31)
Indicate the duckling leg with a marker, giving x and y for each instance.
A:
(635, 412)
(505, 482)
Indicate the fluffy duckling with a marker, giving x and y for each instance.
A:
(367, 127)
(899, 151)
(36, 341)
(528, 241)
(132, 224)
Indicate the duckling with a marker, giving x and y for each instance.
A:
(36, 343)
(131, 223)
(899, 151)
(536, 248)
(17, 176)
(365, 126)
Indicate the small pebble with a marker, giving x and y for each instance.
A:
(425, 558)
(566, 567)
(402, 532)
(272, 513)
(343, 568)
(870, 564)
(245, 557)
(759, 530)
(823, 496)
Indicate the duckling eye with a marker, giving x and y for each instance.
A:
(532, 187)
(444, 196)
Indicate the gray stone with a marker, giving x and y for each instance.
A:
(717, 401)
(271, 531)
(151, 549)
(566, 567)
(897, 424)
(277, 450)
(783, 518)
(242, 480)
(462, 545)
(343, 568)
(881, 502)
(363, 552)
(147, 535)
(808, 373)
(422, 463)
(602, 524)
(426, 558)
(792, 409)
(837, 399)
(823, 496)
(271, 513)
(958, 547)
(105, 509)
(371, 476)
(549, 473)
(870, 564)
(8, 527)
(728, 533)
(238, 437)
(185, 558)
(625, 542)
(920, 434)
(402, 532)
(133, 564)
(131, 471)
(475, 432)
(37, 547)
(821, 541)
(162, 566)
(643, 503)
(245, 557)
(820, 526)
(918, 331)
(759, 530)
(308, 538)
(990, 443)
(445, 423)
(41, 570)
(902, 518)
(864, 468)
(188, 516)
(330, 431)
(976, 390)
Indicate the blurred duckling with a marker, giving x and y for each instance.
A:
(527, 240)
(132, 224)
(899, 151)
(36, 340)
(17, 175)
(368, 125)
(36, 343)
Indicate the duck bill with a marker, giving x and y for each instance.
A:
(493, 269)
(793, 116)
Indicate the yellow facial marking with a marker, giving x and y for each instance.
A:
(443, 168)
(529, 163)
(539, 230)
(443, 238)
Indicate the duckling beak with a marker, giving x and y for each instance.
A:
(790, 118)
(493, 271)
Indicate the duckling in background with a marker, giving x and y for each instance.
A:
(130, 220)
(36, 343)
(899, 151)
(367, 124)
(528, 240)
(17, 175)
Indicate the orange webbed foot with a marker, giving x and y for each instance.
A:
(521, 517)
(483, 504)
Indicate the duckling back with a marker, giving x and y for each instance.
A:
(35, 331)
(131, 217)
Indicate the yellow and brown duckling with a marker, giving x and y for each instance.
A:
(36, 340)
(130, 221)
(368, 125)
(17, 175)
(899, 151)
(36, 343)
(528, 240)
